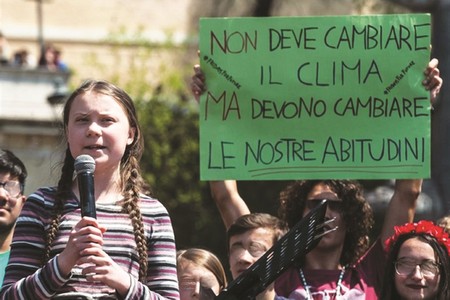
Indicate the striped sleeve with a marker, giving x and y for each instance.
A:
(162, 282)
(25, 277)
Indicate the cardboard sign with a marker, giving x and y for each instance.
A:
(315, 97)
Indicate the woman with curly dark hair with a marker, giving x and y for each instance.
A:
(354, 208)
(342, 265)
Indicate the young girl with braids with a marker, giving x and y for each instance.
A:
(128, 251)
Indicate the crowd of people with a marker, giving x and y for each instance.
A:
(49, 251)
(50, 57)
(345, 265)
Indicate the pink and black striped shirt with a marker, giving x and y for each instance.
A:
(26, 277)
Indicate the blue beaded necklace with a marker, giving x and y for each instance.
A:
(338, 286)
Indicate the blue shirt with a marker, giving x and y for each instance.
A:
(4, 258)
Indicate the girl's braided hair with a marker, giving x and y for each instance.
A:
(131, 183)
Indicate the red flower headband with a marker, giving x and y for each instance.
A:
(423, 226)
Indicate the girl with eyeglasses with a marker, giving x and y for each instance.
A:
(418, 263)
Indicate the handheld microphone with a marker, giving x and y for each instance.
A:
(84, 166)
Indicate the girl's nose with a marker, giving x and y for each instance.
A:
(246, 258)
(93, 129)
(196, 290)
(417, 273)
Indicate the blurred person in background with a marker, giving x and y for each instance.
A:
(199, 270)
(12, 184)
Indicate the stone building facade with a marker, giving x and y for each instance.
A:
(87, 32)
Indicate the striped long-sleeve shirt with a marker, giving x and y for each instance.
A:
(26, 277)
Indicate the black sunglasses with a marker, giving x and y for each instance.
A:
(334, 205)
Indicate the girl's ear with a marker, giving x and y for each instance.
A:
(131, 135)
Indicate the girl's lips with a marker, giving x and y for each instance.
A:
(416, 286)
(329, 224)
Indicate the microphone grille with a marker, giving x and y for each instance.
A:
(84, 163)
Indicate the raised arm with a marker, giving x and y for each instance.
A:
(402, 206)
(230, 204)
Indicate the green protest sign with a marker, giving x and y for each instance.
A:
(315, 97)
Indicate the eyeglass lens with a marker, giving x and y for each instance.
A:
(255, 249)
(334, 205)
(427, 268)
(11, 187)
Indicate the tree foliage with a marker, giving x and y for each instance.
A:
(171, 165)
